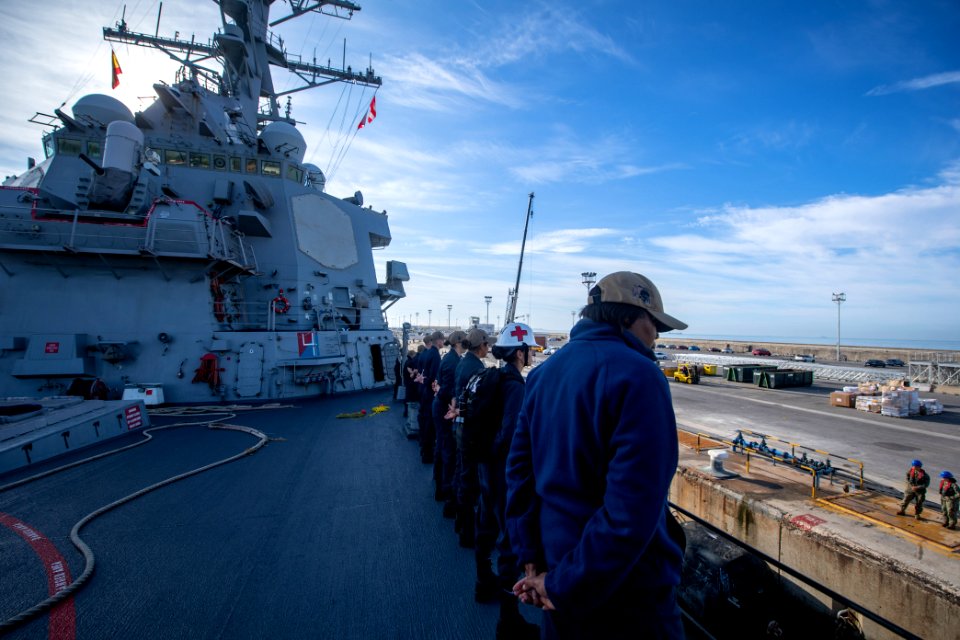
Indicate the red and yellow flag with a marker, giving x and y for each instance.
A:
(115, 68)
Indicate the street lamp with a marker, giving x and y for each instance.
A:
(429, 317)
(839, 298)
(589, 277)
(488, 300)
(573, 318)
(418, 318)
(449, 309)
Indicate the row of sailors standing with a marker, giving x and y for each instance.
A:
(470, 477)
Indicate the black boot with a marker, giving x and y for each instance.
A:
(511, 625)
(487, 587)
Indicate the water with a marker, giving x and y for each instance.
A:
(888, 343)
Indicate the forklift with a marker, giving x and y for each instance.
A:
(686, 372)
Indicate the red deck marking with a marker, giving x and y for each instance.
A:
(807, 521)
(63, 617)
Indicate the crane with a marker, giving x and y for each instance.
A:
(512, 293)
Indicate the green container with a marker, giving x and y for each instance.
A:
(784, 378)
(747, 372)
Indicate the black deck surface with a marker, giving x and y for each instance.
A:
(330, 531)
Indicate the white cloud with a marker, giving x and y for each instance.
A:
(917, 84)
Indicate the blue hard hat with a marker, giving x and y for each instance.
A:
(916, 463)
(946, 474)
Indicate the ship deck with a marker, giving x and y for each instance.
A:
(330, 530)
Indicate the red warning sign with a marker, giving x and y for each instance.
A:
(52, 347)
(134, 417)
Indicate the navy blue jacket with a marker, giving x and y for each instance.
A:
(469, 365)
(446, 378)
(429, 366)
(589, 469)
(511, 390)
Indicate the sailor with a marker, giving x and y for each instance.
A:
(590, 465)
(949, 499)
(916, 488)
(477, 344)
(513, 347)
(445, 452)
(412, 409)
(429, 362)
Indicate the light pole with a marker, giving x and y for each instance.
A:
(488, 300)
(589, 277)
(449, 309)
(839, 298)
(429, 317)
(573, 318)
(418, 318)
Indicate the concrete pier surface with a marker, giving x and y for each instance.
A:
(847, 538)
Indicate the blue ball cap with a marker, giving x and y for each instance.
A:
(916, 463)
(946, 474)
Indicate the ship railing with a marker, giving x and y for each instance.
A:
(834, 465)
(838, 598)
(267, 316)
(203, 237)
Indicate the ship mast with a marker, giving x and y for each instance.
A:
(512, 293)
(246, 49)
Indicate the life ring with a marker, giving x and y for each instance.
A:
(281, 304)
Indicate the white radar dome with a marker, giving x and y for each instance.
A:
(283, 138)
(103, 109)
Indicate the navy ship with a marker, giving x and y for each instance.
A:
(186, 252)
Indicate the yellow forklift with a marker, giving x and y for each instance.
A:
(687, 372)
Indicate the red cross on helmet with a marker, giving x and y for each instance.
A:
(516, 334)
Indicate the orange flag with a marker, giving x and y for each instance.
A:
(115, 68)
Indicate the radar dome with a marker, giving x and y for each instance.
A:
(283, 138)
(315, 177)
(103, 109)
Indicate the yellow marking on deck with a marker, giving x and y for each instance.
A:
(882, 510)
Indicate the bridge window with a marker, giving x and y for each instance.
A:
(220, 163)
(294, 173)
(69, 147)
(47, 146)
(200, 160)
(270, 168)
(93, 148)
(236, 165)
(251, 165)
(171, 156)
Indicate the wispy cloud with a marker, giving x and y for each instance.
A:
(564, 241)
(542, 32)
(917, 84)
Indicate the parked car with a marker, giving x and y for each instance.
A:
(682, 347)
(727, 350)
(895, 362)
(804, 357)
(671, 346)
(661, 355)
(694, 347)
(549, 351)
(660, 346)
(715, 349)
(874, 363)
(761, 352)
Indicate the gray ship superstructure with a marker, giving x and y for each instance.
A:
(187, 252)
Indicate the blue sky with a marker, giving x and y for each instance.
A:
(750, 157)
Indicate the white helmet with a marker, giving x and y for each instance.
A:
(515, 335)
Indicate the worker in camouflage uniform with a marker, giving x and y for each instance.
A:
(949, 499)
(916, 488)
